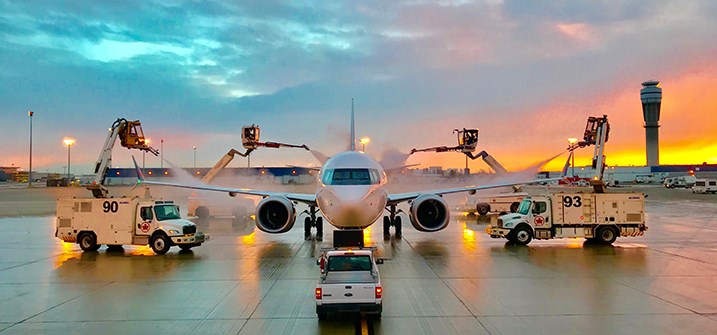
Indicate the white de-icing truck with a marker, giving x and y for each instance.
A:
(598, 217)
(124, 221)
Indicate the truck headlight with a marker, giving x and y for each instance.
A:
(174, 232)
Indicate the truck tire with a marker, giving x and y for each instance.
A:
(514, 207)
(160, 244)
(483, 208)
(322, 315)
(202, 212)
(88, 242)
(522, 234)
(606, 235)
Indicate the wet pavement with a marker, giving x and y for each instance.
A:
(454, 281)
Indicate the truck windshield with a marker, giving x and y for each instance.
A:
(166, 212)
(349, 263)
(350, 177)
(524, 207)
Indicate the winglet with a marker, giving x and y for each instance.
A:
(140, 175)
(353, 128)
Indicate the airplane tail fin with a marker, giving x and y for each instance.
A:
(353, 128)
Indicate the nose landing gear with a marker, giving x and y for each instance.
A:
(392, 220)
(313, 221)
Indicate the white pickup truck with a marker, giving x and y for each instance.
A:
(350, 282)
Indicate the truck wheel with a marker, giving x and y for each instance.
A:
(374, 316)
(160, 244)
(88, 242)
(606, 235)
(482, 209)
(322, 315)
(514, 207)
(522, 235)
(202, 212)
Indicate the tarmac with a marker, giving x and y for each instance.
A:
(457, 281)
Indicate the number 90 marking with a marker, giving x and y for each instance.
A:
(110, 206)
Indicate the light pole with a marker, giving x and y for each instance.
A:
(364, 140)
(29, 173)
(195, 156)
(144, 152)
(572, 141)
(161, 156)
(69, 142)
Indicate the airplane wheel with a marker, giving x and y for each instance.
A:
(398, 226)
(386, 228)
(307, 227)
(319, 228)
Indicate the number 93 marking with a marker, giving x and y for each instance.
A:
(575, 201)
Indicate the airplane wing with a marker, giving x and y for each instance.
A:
(401, 197)
(300, 197)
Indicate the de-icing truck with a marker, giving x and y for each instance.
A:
(599, 217)
(91, 222)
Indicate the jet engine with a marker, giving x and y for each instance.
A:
(275, 215)
(429, 213)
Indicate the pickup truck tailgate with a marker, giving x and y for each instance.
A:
(349, 287)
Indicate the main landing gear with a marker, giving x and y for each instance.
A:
(392, 219)
(313, 221)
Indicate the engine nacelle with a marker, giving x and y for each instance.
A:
(275, 215)
(429, 213)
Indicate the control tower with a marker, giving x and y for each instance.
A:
(651, 96)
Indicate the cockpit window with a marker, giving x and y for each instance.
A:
(351, 177)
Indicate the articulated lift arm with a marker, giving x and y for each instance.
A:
(467, 142)
(131, 137)
(250, 141)
(596, 133)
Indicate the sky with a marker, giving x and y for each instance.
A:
(526, 73)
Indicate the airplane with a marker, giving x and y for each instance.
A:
(351, 196)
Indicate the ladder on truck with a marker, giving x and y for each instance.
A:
(467, 143)
(131, 137)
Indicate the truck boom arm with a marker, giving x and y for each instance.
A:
(467, 142)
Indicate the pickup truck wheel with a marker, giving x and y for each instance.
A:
(88, 242)
(482, 209)
(322, 315)
(374, 316)
(522, 235)
(160, 244)
(202, 212)
(606, 235)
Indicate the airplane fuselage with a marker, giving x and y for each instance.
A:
(351, 195)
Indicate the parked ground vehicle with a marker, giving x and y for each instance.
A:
(599, 217)
(500, 203)
(705, 186)
(349, 282)
(679, 182)
(118, 221)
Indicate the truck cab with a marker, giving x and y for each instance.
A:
(349, 282)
